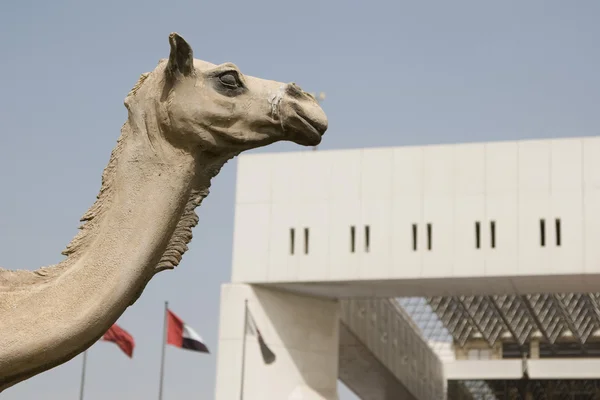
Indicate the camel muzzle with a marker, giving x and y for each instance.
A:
(304, 117)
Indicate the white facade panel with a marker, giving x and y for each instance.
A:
(375, 246)
(591, 163)
(438, 236)
(469, 235)
(377, 175)
(250, 256)
(345, 176)
(534, 233)
(407, 171)
(501, 167)
(534, 166)
(438, 172)
(313, 231)
(345, 214)
(284, 242)
(407, 212)
(469, 210)
(501, 234)
(565, 227)
(376, 211)
(301, 178)
(437, 230)
(253, 184)
(407, 236)
(500, 230)
(345, 238)
(287, 174)
(469, 169)
(315, 178)
(591, 204)
(566, 166)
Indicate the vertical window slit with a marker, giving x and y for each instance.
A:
(493, 234)
(429, 237)
(542, 232)
(414, 236)
(352, 239)
(305, 240)
(292, 240)
(367, 238)
(477, 235)
(557, 223)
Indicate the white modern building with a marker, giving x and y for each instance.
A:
(500, 241)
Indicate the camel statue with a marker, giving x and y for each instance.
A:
(186, 119)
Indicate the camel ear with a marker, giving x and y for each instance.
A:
(181, 58)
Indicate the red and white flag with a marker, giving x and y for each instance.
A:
(121, 338)
(181, 335)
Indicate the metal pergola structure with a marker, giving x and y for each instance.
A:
(519, 318)
(573, 389)
(550, 318)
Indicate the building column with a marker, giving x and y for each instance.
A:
(534, 349)
(460, 353)
(301, 331)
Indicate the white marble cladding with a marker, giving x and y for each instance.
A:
(466, 210)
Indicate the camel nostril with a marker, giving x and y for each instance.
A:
(294, 91)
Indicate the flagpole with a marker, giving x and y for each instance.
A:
(164, 345)
(244, 349)
(83, 375)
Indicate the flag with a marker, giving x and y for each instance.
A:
(252, 329)
(181, 335)
(121, 338)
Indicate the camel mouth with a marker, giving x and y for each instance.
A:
(310, 131)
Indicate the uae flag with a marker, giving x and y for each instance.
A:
(252, 330)
(181, 335)
(121, 338)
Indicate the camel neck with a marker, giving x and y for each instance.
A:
(122, 249)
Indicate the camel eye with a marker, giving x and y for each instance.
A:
(229, 79)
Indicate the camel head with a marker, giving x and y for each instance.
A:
(186, 119)
(218, 109)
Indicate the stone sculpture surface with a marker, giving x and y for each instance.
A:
(186, 119)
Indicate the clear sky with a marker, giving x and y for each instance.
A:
(395, 73)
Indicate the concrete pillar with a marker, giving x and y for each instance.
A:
(460, 353)
(534, 349)
(497, 353)
(302, 332)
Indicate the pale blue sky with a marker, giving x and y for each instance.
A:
(395, 73)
